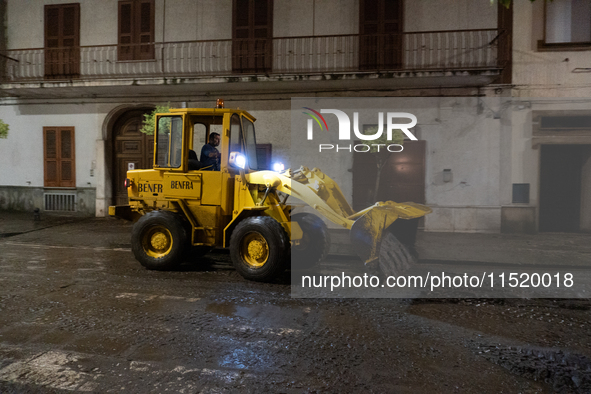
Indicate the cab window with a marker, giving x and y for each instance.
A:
(251, 144)
(235, 134)
(169, 141)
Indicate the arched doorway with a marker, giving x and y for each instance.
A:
(131, 149)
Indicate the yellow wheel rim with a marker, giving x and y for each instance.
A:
(254, 250)
(157, 241)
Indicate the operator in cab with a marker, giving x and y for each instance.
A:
(210, 156)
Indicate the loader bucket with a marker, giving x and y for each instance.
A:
(374, 245)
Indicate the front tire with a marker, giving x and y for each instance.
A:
(395, 257)
(258, 247)
(158, 240)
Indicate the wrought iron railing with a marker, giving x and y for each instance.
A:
(432, 50)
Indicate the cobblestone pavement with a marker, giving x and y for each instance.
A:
(79, 314)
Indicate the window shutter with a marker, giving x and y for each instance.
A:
(59, 157)
(52, 27)
(380, 28)
(67, 162)
(136, 30)
(70, 39)
(252, 33)
(51, 157)
(125, 30)
(145, 33)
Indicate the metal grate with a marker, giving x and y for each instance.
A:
(60, 202)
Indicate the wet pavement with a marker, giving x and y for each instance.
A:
(79, 314)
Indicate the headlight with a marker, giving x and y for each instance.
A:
(241, 161)
(278, 167)
(237, 159)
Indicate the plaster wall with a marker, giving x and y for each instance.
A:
(22, 151)
(557, 73)
(430, 15)
(315, 17)
(212, 22)
(464, 136)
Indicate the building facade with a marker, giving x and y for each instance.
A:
(77, 78)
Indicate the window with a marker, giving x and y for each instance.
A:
(59, 157)
(235, 134)
(568, 22)
(169, 141)
(252, 33)
(136, 30)
(62, 41)
(251, 144)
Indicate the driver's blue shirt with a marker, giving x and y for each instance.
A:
(212, 162)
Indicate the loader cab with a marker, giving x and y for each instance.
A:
(185, 130)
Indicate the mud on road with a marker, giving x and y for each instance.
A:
(79, 314)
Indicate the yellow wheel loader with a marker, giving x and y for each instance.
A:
(183, 208)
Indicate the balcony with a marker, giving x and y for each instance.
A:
(468, 51)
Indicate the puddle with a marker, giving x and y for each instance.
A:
(224, 309)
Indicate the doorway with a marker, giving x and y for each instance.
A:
(402, 177)
(62, 41)
(252, 32)
(380, 39)
(132, 149)
(562, 182)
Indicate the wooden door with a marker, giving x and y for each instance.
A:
(62, 41)
(380, 29)
(252, 35)
(402, 177)
(130, 147)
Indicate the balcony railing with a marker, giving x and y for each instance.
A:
(413, 51)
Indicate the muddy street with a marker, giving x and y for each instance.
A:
(79, 314)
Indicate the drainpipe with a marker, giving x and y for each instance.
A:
(163, 33)
(3, 38)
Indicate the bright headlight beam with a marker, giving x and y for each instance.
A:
(241, 161)
(278, 167)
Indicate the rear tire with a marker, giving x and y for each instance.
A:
(257, 248)
(314, 244)
(158, 240)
